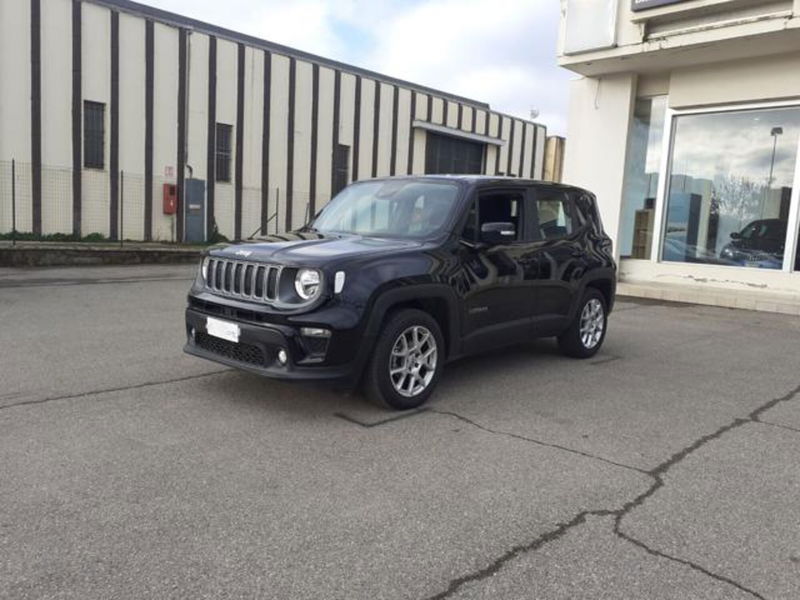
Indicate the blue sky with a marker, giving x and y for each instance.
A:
(498, 51)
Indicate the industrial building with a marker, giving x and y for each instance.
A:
(685, 120)
(132, 122)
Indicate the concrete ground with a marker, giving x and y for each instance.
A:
(665, 467)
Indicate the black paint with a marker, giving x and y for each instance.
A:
(77, 126)
(239, 164)
(211, 147)
(265, 133)
(376, 118)
(36, 115)
(393, 158)
(312, 184)
(509, 167)
(356, 128)
(533, 158)
(290, 143)
(411, 132)
(113, 162)
(183, 38)
(337, 108)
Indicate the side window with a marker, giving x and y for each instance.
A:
(501, 207)
(553, 215)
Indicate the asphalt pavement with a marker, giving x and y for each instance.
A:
(664, 467)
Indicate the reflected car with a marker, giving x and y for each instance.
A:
(760, 244)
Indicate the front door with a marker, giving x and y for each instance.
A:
(495, 283)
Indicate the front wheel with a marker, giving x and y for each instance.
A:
(588, 331)
(407, 361)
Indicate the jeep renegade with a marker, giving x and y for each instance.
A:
(395, 277)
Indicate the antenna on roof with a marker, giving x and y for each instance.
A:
(534, 113)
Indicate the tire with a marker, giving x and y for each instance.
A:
(417, 369)
(585, 343)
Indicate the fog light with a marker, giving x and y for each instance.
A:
(316, 332)
(192, 333)
(283, 358)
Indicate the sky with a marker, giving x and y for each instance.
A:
(498, 51)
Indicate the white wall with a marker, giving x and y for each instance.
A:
(132, 124)
(227, 65)
(165, 119)
(96, 82)
(57, 117)
(15, 111)
(599, 119)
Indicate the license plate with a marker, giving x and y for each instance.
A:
(222, 329)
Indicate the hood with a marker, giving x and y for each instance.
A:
(311, 249)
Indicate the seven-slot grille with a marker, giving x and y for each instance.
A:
(242, 279)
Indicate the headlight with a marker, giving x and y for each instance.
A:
(307, 283)
(204, 268)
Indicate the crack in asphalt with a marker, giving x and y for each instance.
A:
(537, 442)
(109, 390)
(778, 425)
(657, 474)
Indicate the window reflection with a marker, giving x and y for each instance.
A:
(730, 187)
(641, 177)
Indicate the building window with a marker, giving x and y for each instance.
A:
(642, 177)
(94, 131)
(341, 160)
(223, 157)
(730, 187)
(450, 155)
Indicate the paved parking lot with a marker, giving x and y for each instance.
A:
(665, 467)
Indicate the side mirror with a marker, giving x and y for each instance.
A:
(736, 235)
(498, 233)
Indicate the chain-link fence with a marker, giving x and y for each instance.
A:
(115, 209)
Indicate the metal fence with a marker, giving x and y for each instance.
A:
(105, 214)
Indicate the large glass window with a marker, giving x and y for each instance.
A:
(730, 187)
(641, 177)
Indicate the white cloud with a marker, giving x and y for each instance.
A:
(497, 51)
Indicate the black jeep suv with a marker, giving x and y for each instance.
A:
(395, 277)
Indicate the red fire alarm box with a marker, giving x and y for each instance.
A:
(170, 199)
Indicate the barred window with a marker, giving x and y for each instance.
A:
(94, 132)
(223, 158)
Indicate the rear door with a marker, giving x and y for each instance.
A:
(557, 257)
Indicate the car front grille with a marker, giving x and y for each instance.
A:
(243, 353)
(245, 280)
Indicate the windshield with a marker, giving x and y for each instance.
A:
(401, 208)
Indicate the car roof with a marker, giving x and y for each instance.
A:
(480, 179)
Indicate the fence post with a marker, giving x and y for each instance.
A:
(13, 202)
(121, 207)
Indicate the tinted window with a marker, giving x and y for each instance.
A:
(553, 215)
(501, 207)
(397, 208)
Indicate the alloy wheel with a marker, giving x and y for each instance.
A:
(412, 363)
(592, 323)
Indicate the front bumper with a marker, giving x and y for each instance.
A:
(257, 351)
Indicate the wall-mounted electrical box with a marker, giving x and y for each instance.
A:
(170, 199)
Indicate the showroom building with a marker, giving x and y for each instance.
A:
(685, 121)
(131, 122)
